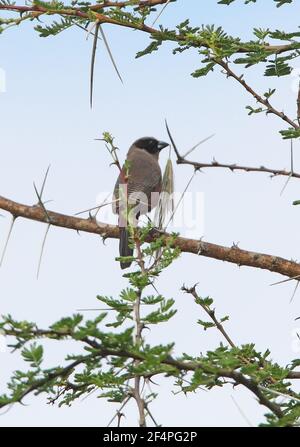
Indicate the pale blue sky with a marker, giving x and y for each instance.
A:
(45, 118)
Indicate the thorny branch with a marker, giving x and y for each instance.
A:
(232, 254)
(36, 11)
(218, 324)
(211, 314)
(98, 14)
(237, 377)
(236, 167)
(255, 388)
(264, 101)
(181, 160)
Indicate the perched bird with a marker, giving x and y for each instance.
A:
(137, 188)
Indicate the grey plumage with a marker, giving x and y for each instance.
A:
(137, 188)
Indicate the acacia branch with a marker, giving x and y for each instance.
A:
(218, 324)
(259, 98)
(181, 160)
(211, 313)
(89, 12)
(105, 4)
(38, 384)
(138, 4)
(37, 10)
(104, 352)
(237, 377)
(232, 254)
(237, 167)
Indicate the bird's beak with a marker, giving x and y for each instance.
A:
(161, 145)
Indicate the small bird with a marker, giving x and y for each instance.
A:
(137, 188)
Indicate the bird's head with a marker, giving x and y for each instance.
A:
(150, 144)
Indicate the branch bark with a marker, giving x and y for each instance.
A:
(235, 167)
(236, 376)
(261, 100)
(232, 254)
(37, 10)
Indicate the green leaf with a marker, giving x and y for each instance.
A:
(33, 354)
(203, 71)
(55, 27)
(128, 295)
(67, 324)
(269, 93)
(206, 324)
(278, 67)
(151, 299)
(253, 111)
(226, 318)
(208, 301)
(290, 133)
(154, 46)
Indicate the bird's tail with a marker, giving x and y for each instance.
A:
(124, 248)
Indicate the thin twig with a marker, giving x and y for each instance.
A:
(235, 167)
(259, 98)
(179, 157)
(211, 314)
(231, 166)
(100, 352)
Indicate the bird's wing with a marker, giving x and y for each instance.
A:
(144, 178)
